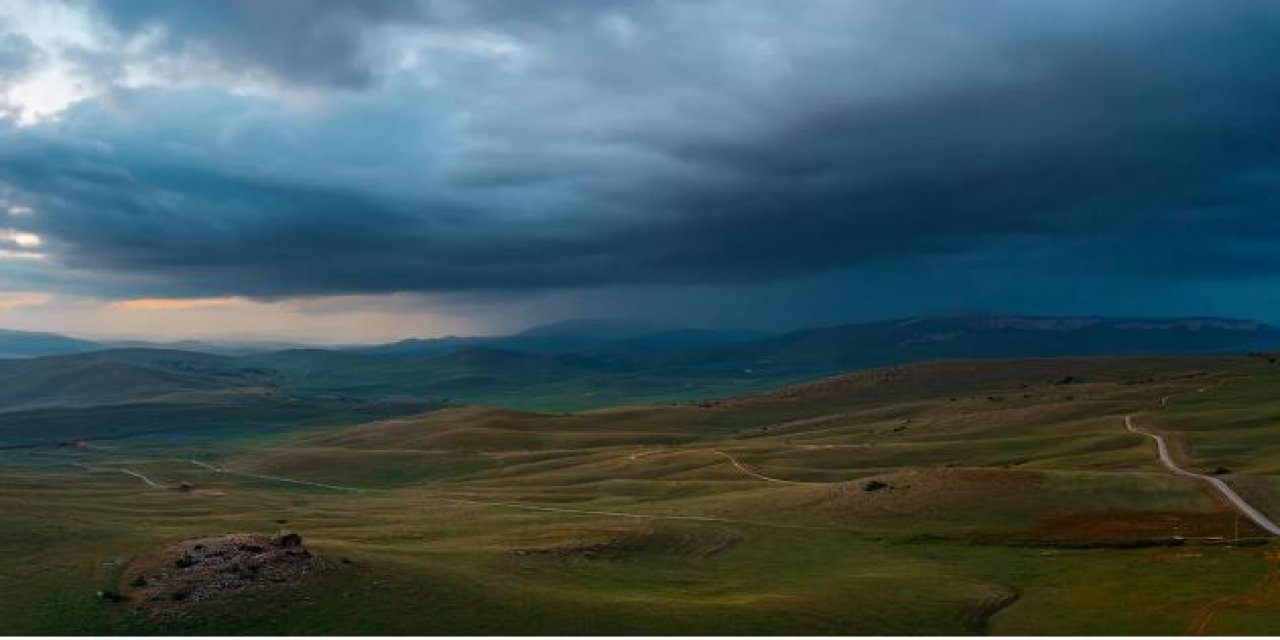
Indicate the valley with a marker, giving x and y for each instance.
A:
(109, 391)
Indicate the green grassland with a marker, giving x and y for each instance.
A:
(962, 497)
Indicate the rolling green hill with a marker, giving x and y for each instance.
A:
(960, 497)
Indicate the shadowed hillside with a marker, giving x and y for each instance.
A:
(126, 392)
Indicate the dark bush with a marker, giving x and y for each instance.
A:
(110, 595)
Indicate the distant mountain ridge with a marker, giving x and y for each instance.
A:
(993, 336)
(1066, 323)
(567, 337)
(965, 336)
(89, 390)
(34, 344)
(1019, 334)
(27, 344)
(595, 328)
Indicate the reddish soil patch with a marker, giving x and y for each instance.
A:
(627, 543)
(1136, 525)
(218, 567)
(826, 387)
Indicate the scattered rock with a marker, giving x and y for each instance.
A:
(288, 541)
(217, 567)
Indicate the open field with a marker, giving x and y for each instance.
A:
(952, 497)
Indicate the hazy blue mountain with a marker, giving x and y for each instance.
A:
(690, 338)
(28, 344)
(981, 336)
(593, 329)
(573, 336)
(422, 346)
(577, 335)
(202, 346)
(32, 344)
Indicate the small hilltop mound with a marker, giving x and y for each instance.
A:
(220, 566)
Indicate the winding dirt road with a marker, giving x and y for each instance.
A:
(514, 505)
(259, 476)
(756, 474)
(1162, 451)
(149, 481)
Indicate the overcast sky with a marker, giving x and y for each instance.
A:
(364, 170)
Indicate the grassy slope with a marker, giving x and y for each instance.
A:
(996, 475)
(125, 393)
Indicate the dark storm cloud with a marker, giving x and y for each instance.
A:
(327, 43)
(210, 232)
(17, 54)
(300, 40)
(685, 143)
(1084, 149)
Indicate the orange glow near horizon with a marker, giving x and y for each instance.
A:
(355, 319)
(175, 304)
(20, 299)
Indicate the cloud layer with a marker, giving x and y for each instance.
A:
(293, 148)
